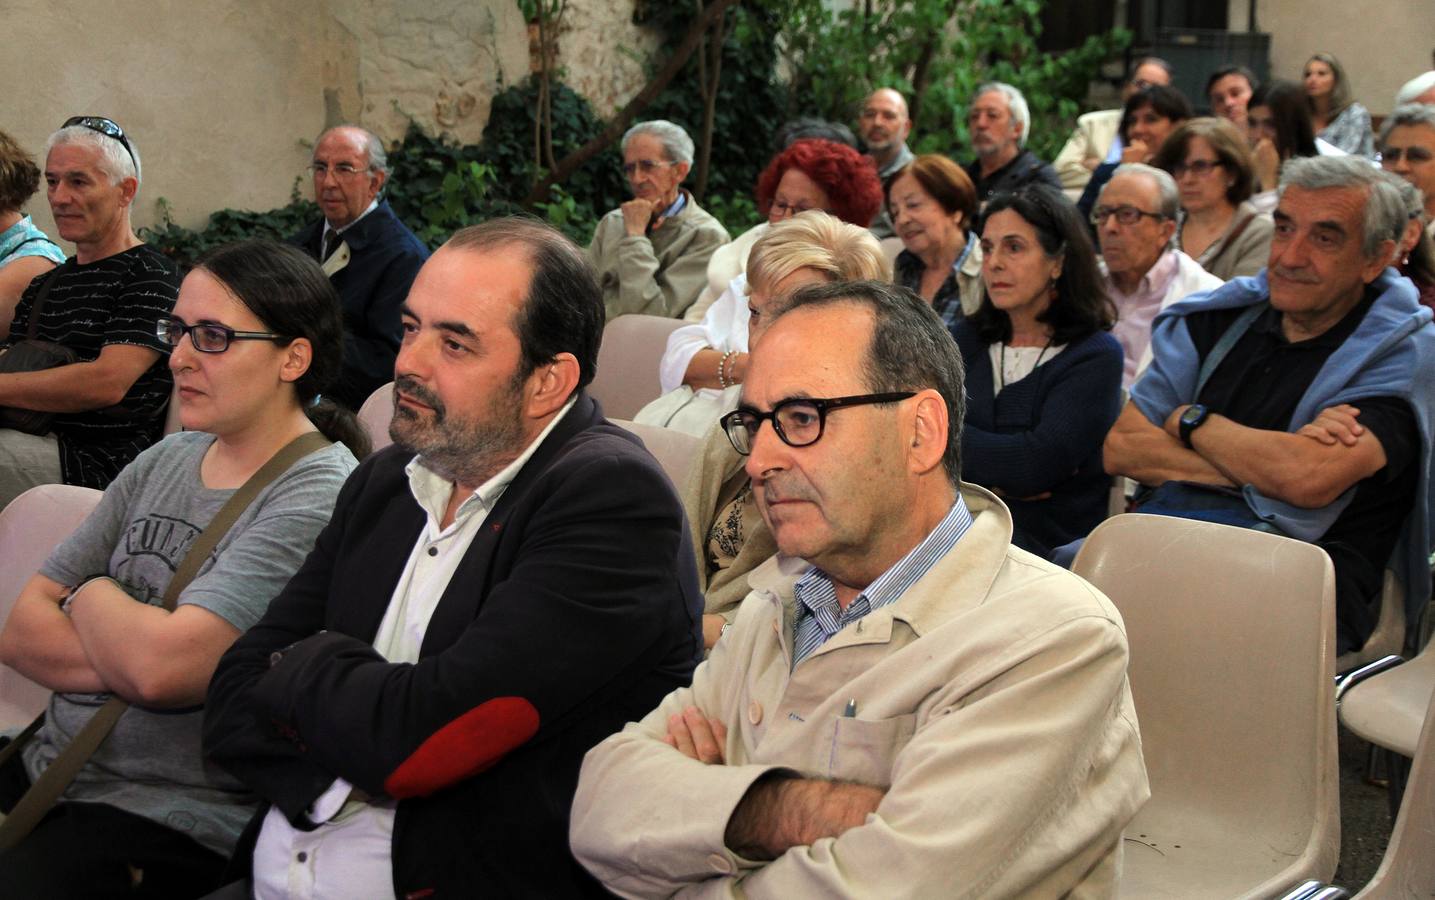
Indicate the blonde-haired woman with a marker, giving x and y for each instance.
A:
(729, 535)
(701, 389)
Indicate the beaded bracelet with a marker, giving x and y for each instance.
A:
(723, 380)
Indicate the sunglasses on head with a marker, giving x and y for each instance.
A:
(108, 128)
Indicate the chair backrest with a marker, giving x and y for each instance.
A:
(375, 414)
(1389, 635)
(1232, 658)
(30, 528)
(1408, 868)
(627, 376)
(674, 450)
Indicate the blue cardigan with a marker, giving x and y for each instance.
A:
(1043, 433)
(1390, 354)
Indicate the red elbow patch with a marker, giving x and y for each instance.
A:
(464, 747)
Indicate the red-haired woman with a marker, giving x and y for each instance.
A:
(707, 356)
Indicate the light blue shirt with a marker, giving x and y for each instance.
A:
(820, 616)
(24, 239)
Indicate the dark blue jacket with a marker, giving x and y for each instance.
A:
(574, 611)
(384, 259)
(1043, 433)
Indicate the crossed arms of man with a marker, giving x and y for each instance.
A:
(1308, 468)
(684, 802)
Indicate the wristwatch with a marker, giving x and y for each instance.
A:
(1194, 416)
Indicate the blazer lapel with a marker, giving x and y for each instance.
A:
(366, 590)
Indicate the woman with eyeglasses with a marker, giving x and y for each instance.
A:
(706, 357)
(933, 205)
(256, 337)
(729, 535)
(1220, 229)
(1043, 373)
(1337, 117)
(25, 251)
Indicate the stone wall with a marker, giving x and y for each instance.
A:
(223, 97)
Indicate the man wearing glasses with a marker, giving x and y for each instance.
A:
(905, 702)
(1407, 149)
(369, 255)
(102, 303)
(651, 254)
(1135, 219)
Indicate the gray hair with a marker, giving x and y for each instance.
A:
(1015, 102)
(1411, 196)
(115, 160)
(1384, 209)
(1165, 185)
(676, 144)
(374, 150)
(911, 350)
(1407, 115)
(1415, 87)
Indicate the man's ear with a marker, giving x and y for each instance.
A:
(551, 384)
(929, 432)
(683, 170)
(1376, 264)
(129, 186)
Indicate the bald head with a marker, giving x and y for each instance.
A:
(884, 124)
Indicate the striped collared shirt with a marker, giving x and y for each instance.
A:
(820, 616)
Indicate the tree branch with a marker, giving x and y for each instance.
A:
(619, 123)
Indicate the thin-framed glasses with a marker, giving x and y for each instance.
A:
(646, 166)
(209, 337)
(799, 421)
(1200, 167)
(109, 129)
(340, 170)
(1126, 215)
(1414, 155)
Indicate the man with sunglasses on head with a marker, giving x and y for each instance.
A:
(1135, 219)
(369, 255)
(651, 254)
(102, 303)
(906, 704)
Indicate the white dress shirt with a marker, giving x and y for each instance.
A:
(350, 854)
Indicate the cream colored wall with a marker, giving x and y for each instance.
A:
(1382, 44)
(224, 96)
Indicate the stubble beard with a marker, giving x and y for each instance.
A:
(465, 451)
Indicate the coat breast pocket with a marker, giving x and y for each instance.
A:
(864, 750)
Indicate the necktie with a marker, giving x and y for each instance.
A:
(331, 243)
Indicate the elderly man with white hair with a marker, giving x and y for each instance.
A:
(1135, 220)
(999, 123)
(102, 304)
(651, 254)
(1420, 89)
(1407, 149)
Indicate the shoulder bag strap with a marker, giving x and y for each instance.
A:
(31, 808)
(1233, 333)
(50, 278)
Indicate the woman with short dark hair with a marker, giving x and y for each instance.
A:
(25, 251)
(1147, 119)
(1043, 373)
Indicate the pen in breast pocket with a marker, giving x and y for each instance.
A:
(851, 711)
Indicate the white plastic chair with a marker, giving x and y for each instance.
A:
(376, 413)
(674, 450)
(1232, 636)
(30, 528)
(627, 376)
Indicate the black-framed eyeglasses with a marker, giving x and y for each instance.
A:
(109, 129)
(209, 337)
(1126, 215)
(798, 421)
